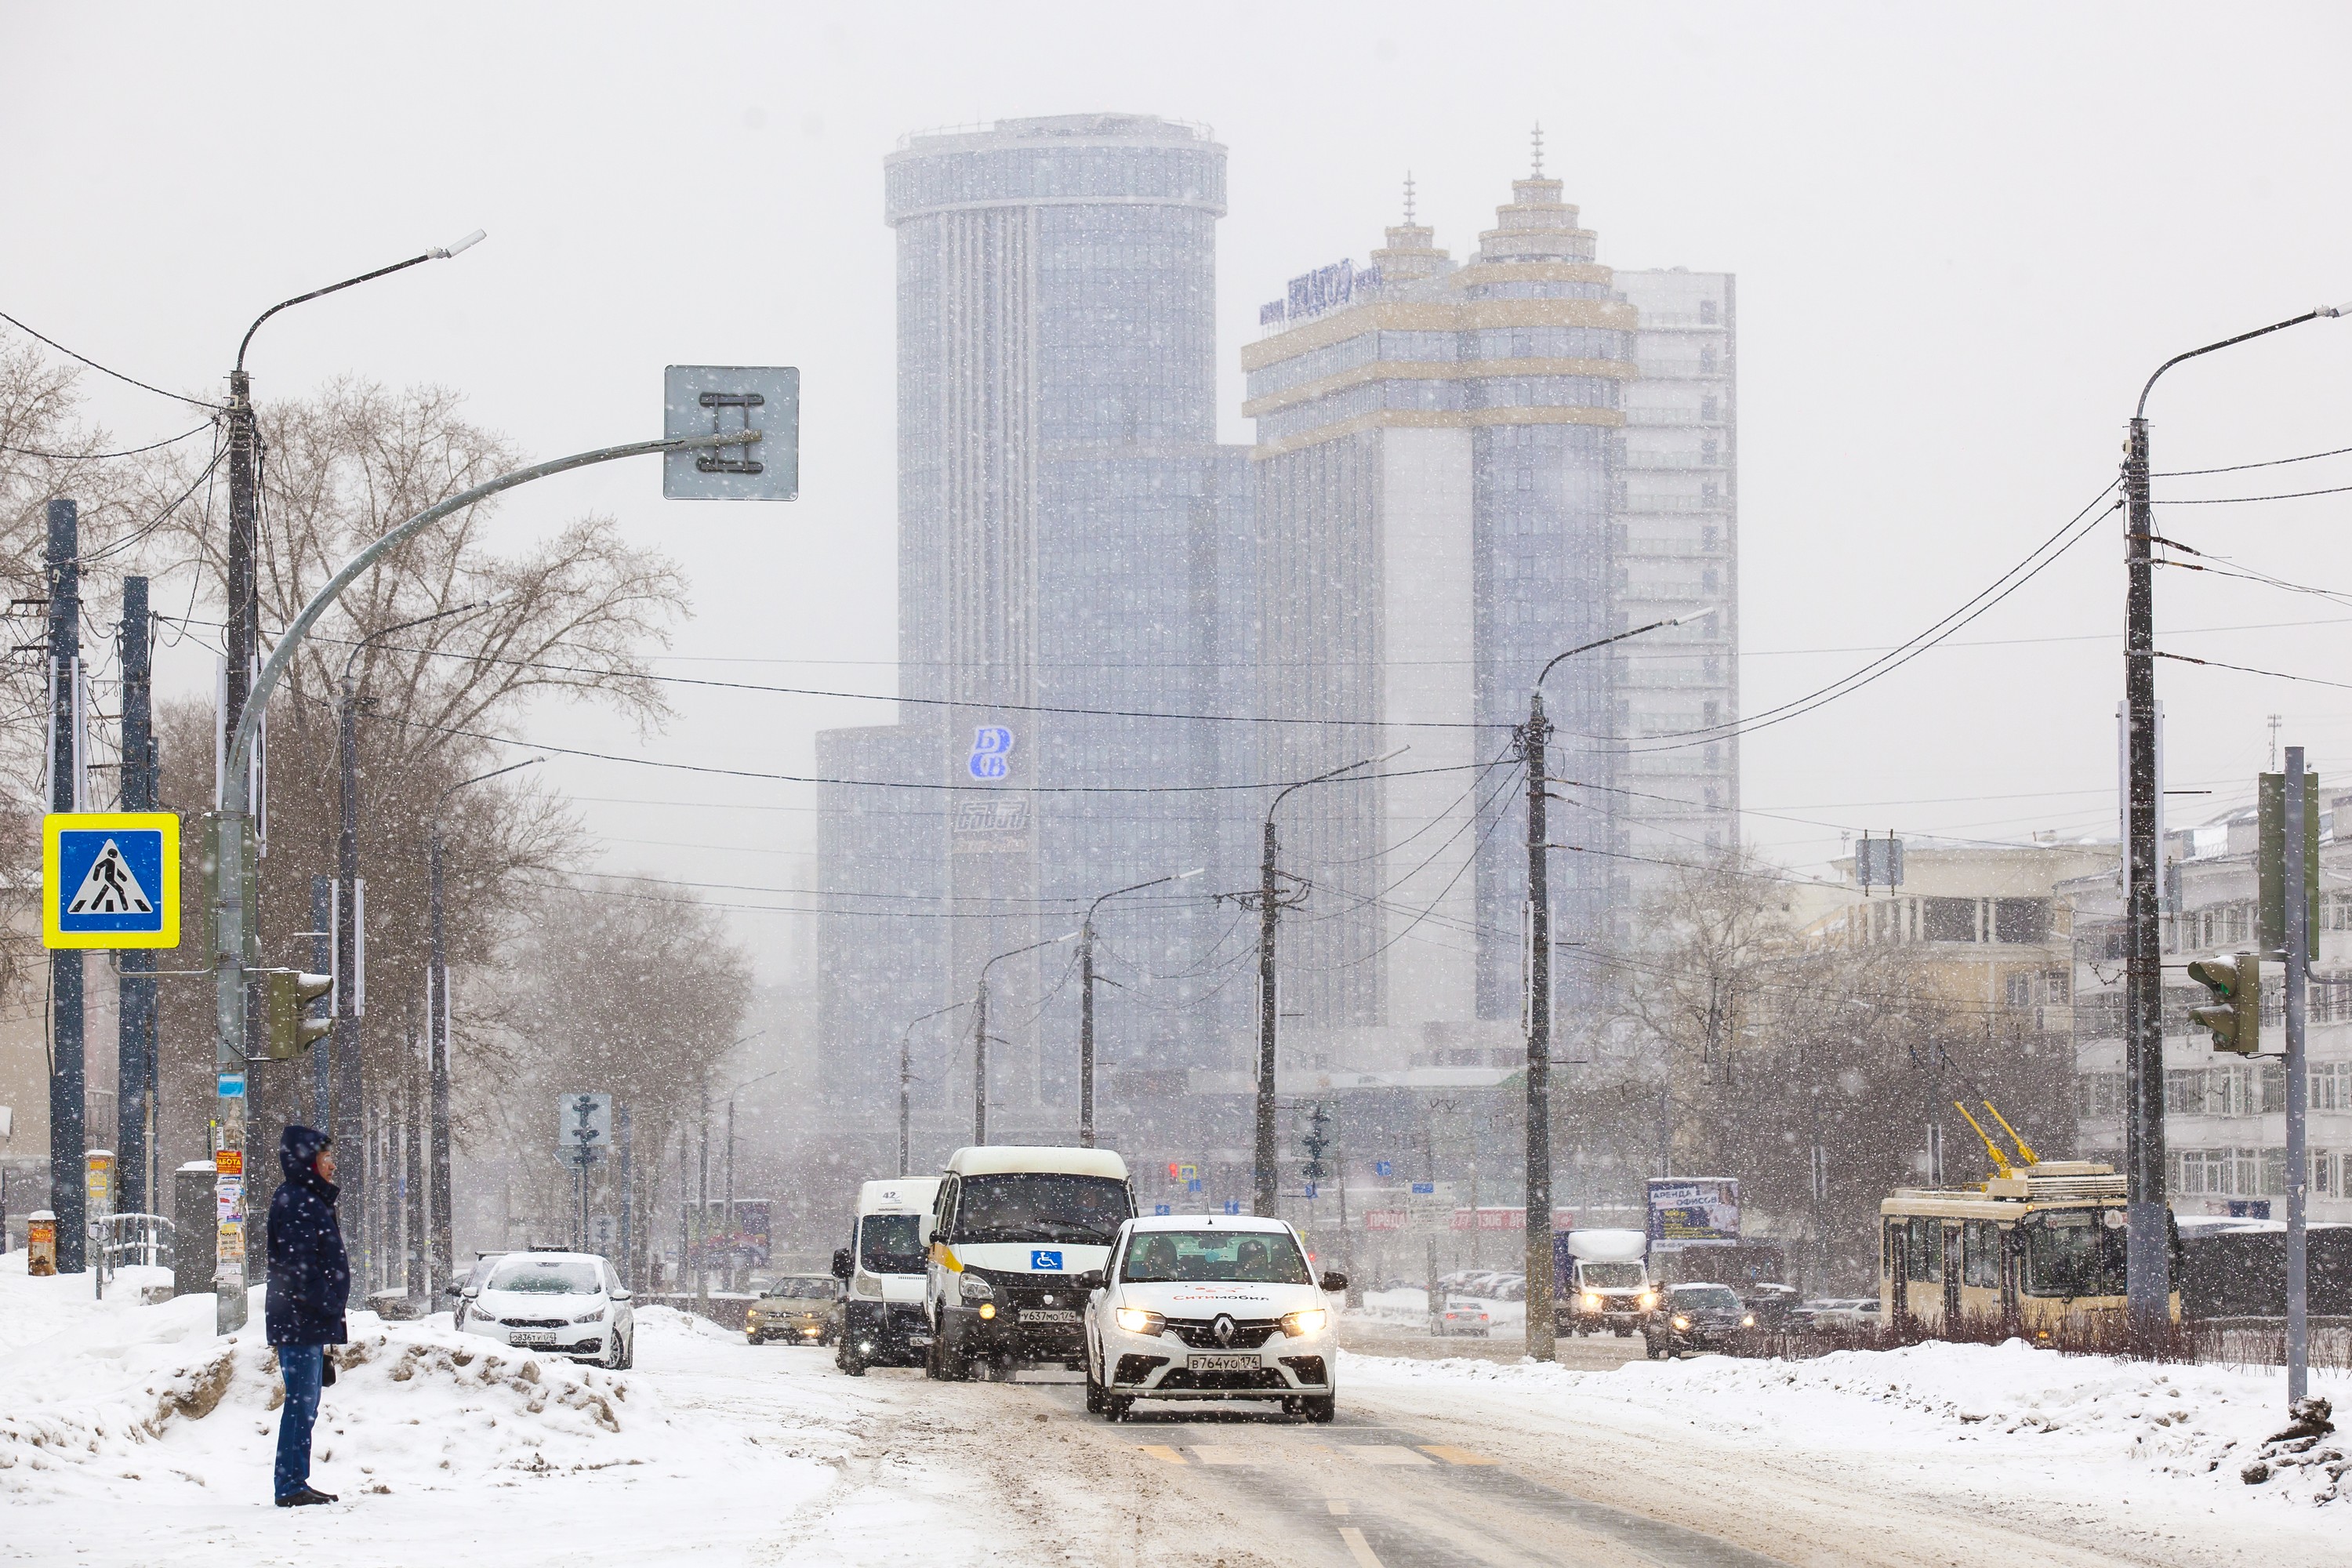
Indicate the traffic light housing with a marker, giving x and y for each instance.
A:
(285, 993)
(2235, 1015)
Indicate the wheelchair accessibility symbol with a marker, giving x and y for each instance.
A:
(990, 745)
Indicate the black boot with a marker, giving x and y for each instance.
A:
(305, 1498)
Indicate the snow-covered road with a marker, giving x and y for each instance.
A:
(130, 1435)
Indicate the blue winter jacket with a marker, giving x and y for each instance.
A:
(310, 1277)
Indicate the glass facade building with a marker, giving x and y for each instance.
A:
(1075, 558)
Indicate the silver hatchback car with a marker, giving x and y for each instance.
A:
(568, 1302)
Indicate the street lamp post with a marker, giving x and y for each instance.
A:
(1534, 736)
(980, 1034)
(1270, 901)
(2147, 1263)
(231, 827)
(1087, 1001)
(437, 1036)
(906, 1076)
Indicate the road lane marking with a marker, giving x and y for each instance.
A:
(1336, 1504)
(1386, 1454)
(1161, 1451)
(1454, 1456)
(1359, 1548)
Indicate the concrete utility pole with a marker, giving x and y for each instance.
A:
(907, 1078)
(2299, 805)
(69, 1083)
(1087, 1002)
(1269, 900)
(1534, 738)
(2148, 1260)
(135, 1058)
(437, 1008)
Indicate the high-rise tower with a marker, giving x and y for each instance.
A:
(1068, 541)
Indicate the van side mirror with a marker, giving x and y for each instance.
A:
(1093, 1279)
(841, 1264)
(1335, 1282)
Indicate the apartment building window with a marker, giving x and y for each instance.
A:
(2331, 1087)
(2184, 1091)
(2098, 1095)
(2323, 1175)
(2055, 987)
(1706, 311)
(2024, 922)
(2021, 989)
(1706, 361)
(1947, 920)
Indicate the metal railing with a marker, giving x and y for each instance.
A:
(144, 1240)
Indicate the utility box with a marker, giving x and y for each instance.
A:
(195, 1229)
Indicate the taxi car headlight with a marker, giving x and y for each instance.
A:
(1592, 1300)
(1681, 1321)
(1306, 1320)
(1141, 1321)
(971, 1287)
(1748, 1321)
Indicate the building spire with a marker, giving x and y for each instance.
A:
(1408, 198)
(1539, 146)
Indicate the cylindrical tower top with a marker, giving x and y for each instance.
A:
(1056, 160)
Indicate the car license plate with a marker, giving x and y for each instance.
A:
(527, 1338)
(1050, 1315)
(1222, 1363)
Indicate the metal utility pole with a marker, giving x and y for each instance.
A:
(980, 1034)
(2299, 805)
(629, 1271)
(907, 1078)
(1087, 1001)
(702, 1204)
(437, 1008)
(1534, 739)
(2147, 1259)
(135, 1056)
(1269, 900)
(68, 1085)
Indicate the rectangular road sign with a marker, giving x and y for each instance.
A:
(111, 879)
(718, 399)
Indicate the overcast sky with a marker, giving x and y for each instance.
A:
(1962, 241)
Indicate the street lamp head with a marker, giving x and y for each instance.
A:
(443, 253)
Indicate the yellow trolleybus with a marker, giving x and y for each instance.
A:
(2037, 1247)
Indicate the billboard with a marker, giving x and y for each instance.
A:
(1694, 1211)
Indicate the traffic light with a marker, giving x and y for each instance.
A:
(285, 993)
(2236, 1018)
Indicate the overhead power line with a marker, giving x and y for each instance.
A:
(102, 370)
(97, 456)
(2242, 468)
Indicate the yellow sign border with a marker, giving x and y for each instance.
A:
(59, 822)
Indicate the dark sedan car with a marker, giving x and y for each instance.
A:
(1697, 1317)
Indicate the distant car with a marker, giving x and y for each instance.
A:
(1511, 1287)
(568, 1302)
(798, 1309)
(1696, 1317)
(1459, 1317)
(1456, 1282)
(1773, 1306)
(1837, 1310)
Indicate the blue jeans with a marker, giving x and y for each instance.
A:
(302, 1366)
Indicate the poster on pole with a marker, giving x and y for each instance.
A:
(1694, 1211)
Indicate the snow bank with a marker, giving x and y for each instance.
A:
(2003, 1408)
(97, 1395)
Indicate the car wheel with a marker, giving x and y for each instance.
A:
(1624, 1333)
(611, 1360)
(1322, 1409)
(752, 1340)
(1094, 1391)
(1118, 1407)
(628, 1356)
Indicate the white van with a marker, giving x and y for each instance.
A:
(883, 1321)
(1013, 1229)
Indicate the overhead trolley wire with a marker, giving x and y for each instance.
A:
(102, 370)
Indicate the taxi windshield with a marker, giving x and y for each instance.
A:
(1240, 1256)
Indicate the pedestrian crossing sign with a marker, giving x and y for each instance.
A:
(111, 879)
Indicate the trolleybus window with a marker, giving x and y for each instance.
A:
(2068, 1252)
(1981, 1254)
(1927, 1262)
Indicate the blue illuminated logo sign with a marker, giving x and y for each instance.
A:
(1045, 1262)
(1382, 1168)
(991, 745)
(1232, 1205)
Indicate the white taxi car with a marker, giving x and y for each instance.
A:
(1210, 1307)
(567, 1302)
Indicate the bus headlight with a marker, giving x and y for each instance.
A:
(1592, 1301)
(1681, 1321)
(971, 1287)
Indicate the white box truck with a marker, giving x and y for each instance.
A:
(1603, 1281)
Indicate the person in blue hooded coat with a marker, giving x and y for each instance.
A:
(310, 1285)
